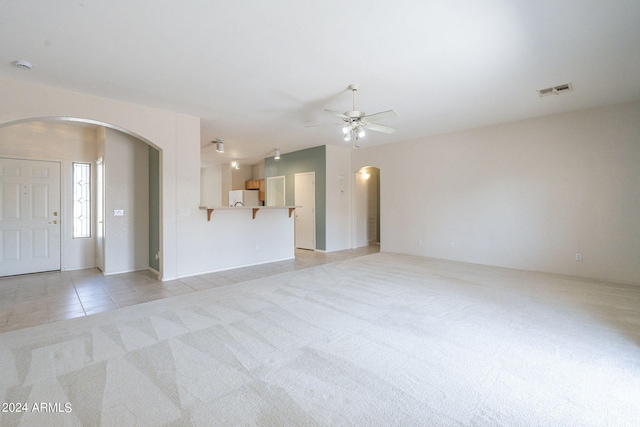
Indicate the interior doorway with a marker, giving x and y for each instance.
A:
(99, 214)
(367, 207)
(305, 213)
(276, 190)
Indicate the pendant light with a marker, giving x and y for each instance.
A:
(219, 145)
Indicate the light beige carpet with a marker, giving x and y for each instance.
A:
(378, 340)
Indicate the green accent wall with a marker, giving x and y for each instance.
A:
(309, 160)
(154, 207)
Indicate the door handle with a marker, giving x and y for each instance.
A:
(55, 221)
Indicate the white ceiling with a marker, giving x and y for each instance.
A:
(256, 72)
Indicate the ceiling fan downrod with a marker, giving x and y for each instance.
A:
(354, 89)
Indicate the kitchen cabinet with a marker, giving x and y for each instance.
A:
(256, 184)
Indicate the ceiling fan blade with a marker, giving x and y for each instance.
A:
(381, 116)
(336, 113)
(380, 128)
(324, 124)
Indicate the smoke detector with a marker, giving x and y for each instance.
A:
(24, 65)
(556, 90)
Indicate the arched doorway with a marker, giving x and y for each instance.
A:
(77, 141)
(367, 207)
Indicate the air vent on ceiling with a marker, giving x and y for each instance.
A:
(556, 90)
(24, 65)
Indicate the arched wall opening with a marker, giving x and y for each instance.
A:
(367, 207)
(130, 182)
(176, 135)
(81, 122)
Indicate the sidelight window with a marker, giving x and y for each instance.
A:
(81, 200)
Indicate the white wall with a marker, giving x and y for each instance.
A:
(126, 170)
(67, 144)
(211, 186)
(233, 239)
(338, 198)
(240, 176)
(226, 181)
(529, 194)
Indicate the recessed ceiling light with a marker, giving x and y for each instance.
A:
(23, 65)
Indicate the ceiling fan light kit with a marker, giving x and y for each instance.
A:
(355, 121)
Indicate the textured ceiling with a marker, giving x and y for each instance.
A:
(257, 72)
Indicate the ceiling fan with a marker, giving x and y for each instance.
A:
(355, 122)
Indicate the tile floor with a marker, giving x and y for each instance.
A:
(35, 299)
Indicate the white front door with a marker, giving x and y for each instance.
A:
(305, 198)
(29, 216)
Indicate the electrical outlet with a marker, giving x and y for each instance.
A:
(578, 257)
(451, 244)
(419, 242)
(118, 212)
